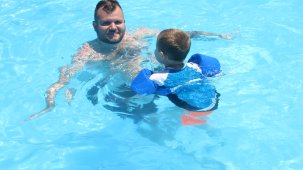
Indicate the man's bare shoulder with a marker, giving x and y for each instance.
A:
(141, 33)
(131, 43)
(93, 44)
(89, 51)
(87, 45)
(145, 32)
(136, 39)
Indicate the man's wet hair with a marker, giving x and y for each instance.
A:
(107, 5)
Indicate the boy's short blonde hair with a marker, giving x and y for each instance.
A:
(174, 43)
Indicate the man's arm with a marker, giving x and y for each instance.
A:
(145, 32)
(195, 34)
(66, 73)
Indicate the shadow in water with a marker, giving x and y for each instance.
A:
(117, 102)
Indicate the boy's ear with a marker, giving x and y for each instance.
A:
(163, 55)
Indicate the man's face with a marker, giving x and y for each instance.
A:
(110, 28)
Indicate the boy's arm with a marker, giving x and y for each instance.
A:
(144, 87)
(142, 84)
(210, 66)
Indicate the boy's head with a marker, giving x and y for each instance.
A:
(172, 44)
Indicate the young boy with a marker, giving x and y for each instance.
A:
(185, 84)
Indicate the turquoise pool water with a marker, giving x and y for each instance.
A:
(256, 126)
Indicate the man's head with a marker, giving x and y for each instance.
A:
(109, 21)
(172, 44)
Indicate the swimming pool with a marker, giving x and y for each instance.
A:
(256, 126)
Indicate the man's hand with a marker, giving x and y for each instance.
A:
(225, 36)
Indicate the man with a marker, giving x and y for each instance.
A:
(113, 44)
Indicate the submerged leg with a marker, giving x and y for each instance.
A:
(92, 93)
(191, 117)
(189, 120)
(198, 114)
